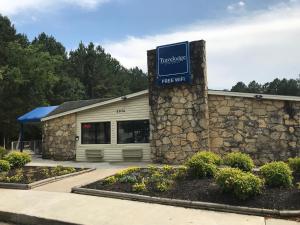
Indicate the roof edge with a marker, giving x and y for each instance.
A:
(210, 92)
(122, 98)
(255, 95)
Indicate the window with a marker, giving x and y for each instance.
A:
(95, 133)
(133, 131)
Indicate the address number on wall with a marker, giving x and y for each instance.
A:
(120, 110)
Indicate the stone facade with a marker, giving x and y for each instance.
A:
(179, 114)
(266, 129)
(59, 138)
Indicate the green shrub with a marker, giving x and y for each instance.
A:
(45, 172)
(164, 185)
(294, 164)
(110, 180)
(208, 157)
(126, 171)
(167, 168)
(17, 178)
(180, 172)
(60, 170)
(277, 174)
(2, 152)
(239, 160)
(199, 168)
(17, 159)
(241, 184)
(4, 166)
(131, 179)
(139, 187)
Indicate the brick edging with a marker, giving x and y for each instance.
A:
(41, 182)
(188, 204)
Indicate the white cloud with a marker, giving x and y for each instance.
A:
(238, 7)
(13, 7)
(259, 47)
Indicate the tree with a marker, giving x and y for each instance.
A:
(240, 87)
(254, 87)
(49, 44)
(102, 75)
(41, 73)
(275, 87)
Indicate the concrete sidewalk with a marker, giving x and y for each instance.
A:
(81, 209)
(65, 185)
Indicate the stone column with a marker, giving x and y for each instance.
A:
(179, 118)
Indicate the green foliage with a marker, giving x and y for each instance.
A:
(241, 184)
(208, 157)
(4, 166)
(275, 87)
(277, 174)
(152, 168)
(110, 180)
(17, 159)
(197, 167)
(60, 170)
(294, 164)
(139, 187)
(127, 171)
(131, 179)
(239, 160)
(180, 172)
(164, 185)
(2, 152)
(17, 178)
(41, 73)
(45, 172)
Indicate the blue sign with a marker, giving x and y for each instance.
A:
(173, 64)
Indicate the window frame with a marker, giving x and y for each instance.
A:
(110, 132)
(129, 120)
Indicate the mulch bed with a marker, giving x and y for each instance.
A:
(32, 174)
(206, 190)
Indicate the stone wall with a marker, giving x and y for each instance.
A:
(265, 129)
(59, 138)
(179, 114)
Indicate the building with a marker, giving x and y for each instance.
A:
(265, 126)
(177, 117)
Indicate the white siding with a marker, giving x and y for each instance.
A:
(135, 109)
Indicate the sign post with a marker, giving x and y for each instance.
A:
(173, 64)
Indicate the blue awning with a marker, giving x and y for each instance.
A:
(36, 115)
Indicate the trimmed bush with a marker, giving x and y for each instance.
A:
(2, 152)
(277, 174)
(110, 180)
(60, 170)
(17, 159)
(139, 187)
(127, 171)
(4, 166)
(242, 185)
(294, 164)
(208, 157)
(239, 160)
(197, 167)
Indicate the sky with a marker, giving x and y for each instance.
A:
(245, 40)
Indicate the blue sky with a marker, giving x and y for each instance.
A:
(246, 40)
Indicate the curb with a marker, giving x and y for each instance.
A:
(41, 182)
(24, 219)
(188, 204)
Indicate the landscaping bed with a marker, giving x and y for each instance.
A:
(30, 174)
(15, 174)
(202, 183)
(206, 190)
